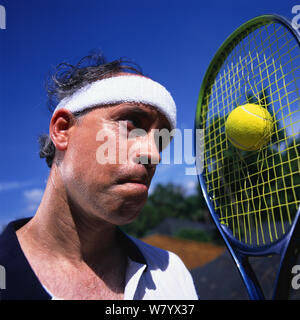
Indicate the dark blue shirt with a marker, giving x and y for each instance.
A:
(21, 281)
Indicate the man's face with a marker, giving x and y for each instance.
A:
(114, 192)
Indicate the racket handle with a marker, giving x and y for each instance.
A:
(249, 278)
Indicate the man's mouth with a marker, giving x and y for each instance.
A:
(135, 182)
(139, 181)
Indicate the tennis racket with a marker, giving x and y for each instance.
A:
(253, 196)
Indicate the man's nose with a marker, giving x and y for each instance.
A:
(148, 151)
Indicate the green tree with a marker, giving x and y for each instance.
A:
(168, 200)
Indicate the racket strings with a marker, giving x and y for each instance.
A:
(236, 83)
(255, 193)
(243, 64)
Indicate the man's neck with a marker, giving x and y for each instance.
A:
(75, 256)
(61, 230)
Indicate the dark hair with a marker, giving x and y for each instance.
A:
(68, 78)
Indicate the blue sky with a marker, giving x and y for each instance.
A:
(173, 42)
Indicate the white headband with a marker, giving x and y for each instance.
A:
(119, 89)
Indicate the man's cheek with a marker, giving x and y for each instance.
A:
(106, 152)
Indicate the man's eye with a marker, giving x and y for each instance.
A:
(132, 123)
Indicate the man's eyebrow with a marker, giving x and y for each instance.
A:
(140, 111)
(135, 110)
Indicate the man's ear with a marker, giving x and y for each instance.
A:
(59, 129)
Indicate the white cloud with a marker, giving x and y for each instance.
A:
(12, 185)
(33, 198)
(191, 187)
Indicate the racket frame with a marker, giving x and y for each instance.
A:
(288, 246)
(238, 34)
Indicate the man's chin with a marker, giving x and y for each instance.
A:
(129, 212)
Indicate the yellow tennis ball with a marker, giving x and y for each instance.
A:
(249, 127)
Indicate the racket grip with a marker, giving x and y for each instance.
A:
(249, 278)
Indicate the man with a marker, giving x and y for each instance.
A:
(73, 248)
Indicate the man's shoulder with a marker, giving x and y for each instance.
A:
(21, 282)
(10, 251)
(168, 272)
(6, 242)
(158, 257)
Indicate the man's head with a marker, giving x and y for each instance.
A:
(66, 79)
(82, 127)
